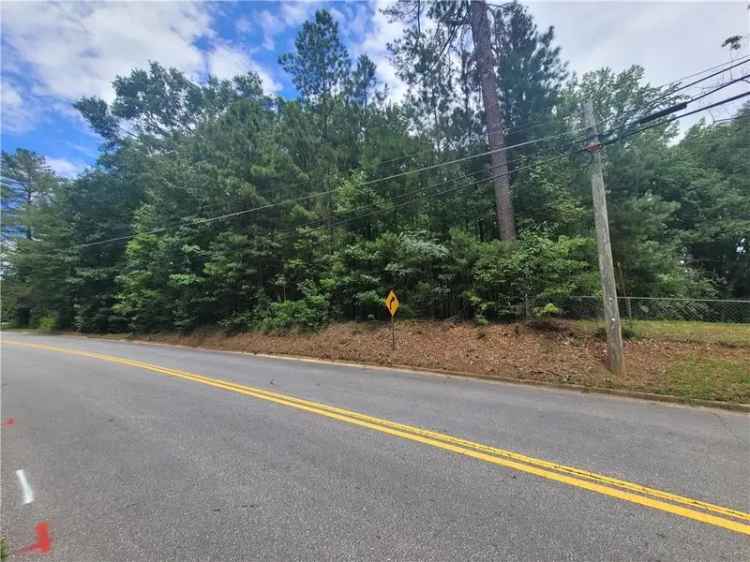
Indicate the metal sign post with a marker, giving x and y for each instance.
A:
(393, 333)
(391, 303)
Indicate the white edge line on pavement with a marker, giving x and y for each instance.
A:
(28, 493)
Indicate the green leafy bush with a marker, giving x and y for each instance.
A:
(238, 322)
(506, 275)
(546, 311)
(309, 313)
(47, 323)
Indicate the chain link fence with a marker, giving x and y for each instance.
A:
(650, 308)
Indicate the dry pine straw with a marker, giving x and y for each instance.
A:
(507, 351)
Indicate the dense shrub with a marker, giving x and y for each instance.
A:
(47, 323)
(308, 313)
(507, 275)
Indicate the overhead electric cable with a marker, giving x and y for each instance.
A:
(321, 193)
(676, 117)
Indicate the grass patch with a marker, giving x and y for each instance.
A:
(4, 552)
(704, 332)
(710, 379)
(736, 335)
(628, 332)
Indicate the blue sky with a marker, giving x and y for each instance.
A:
(55, 52)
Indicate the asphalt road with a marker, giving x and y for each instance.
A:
(127, 461)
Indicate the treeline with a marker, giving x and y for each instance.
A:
(213, 203)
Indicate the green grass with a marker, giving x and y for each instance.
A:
(3, 549)
(710, 379)
(699, 332)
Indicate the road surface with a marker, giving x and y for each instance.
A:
(145, 452)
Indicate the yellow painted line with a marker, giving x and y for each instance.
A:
(612, 487)
(638, 488)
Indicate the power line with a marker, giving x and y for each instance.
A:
(323, 224)
(225, 216)
(708, 70)
(676, 117)
(508, 132)
(735, 65)
(720, 87)
(538, 123)
(654, 102)
(404, 199)
(407, 198)
(732, 64)
(717, 104)
(684, 104)
(321, 193)
(404, 203)
(465, 158)
(545, 122)
(733, 119)
(492, 178)
(678, 106)
(198, 221)
(426, 190)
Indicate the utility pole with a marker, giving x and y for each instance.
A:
(480, 32)
(606, 269)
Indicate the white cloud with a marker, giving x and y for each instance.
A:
(243, 25)
(375, 45)
(65, 168)
(358, 23)
(295, 13)
(76, 49)
(339, 16)
(17, 114)
(10, 95)
(88, 151)
(270, 85)
(225, 62)
(271, 26)
(68, 50)
(352, 19)
(668, 39)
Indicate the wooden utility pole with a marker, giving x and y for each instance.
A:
(606, 269)
(480, 32)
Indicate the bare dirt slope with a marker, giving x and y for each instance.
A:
(556, 353)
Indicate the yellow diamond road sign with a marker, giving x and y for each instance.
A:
(391, 303)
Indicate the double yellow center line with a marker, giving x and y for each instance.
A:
(690, 508)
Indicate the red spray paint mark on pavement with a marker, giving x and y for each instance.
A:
(9, 422)
(43, 541)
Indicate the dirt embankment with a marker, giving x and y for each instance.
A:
(556, 353)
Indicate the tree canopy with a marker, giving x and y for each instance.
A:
(212, 203)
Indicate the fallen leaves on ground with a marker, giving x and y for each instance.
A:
(509, 351)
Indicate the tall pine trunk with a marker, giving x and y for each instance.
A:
(480, 31)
